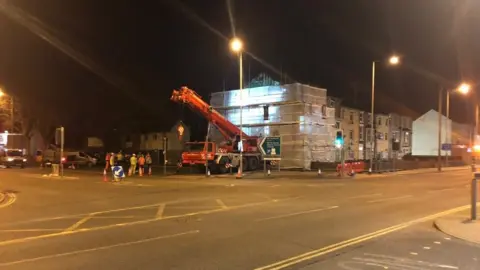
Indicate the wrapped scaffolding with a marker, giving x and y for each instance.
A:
(298, 113)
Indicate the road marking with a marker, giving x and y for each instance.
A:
(125, 244)
(160, 210)
(10, 199)
(426, 247)
(79, 223)
(138, 222)
(390, 199)
(440, 190)
(221, 203)
(297, 213)
(365, 196)
(340, 245)
(31, 230)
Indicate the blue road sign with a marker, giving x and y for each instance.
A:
(446, 146)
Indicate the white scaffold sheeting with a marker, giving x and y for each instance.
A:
(298, 113)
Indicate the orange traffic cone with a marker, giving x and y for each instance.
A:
(105, 178)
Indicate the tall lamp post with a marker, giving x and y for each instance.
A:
(12, 116)
(236, 45)
(463, 89)
(393, 60)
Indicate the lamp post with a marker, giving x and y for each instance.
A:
(463, 89)
(236, 45)
(393, 60)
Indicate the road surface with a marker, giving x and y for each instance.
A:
(191, 222)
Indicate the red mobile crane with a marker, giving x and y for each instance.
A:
(227, 152)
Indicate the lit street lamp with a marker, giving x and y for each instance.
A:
(393, 60)
(236, 45)
(463, 89)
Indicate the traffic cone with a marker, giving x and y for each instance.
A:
(268, 172)
(319, 172)
(105, 178)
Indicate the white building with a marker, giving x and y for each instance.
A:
(425, 134)
(297, 113)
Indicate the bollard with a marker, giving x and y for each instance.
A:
(268, 172)
(369, 170)
(319, 172)
(473, 208)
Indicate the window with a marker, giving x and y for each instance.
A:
(155, 137)
(351, 116)
(369, 135)
(379, 121)
(405, 138)
(337, 125)
(360, 134)
(360, 117)
(342, 113)
(386, 136)
(265, 112)
(350, 133)
(379, 135)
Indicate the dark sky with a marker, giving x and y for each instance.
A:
(138, 51)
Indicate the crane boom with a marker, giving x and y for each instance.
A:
(194, 101)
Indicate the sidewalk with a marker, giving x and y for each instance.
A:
(460, 226)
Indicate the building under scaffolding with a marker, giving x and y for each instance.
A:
(297, 113)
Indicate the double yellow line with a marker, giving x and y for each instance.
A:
(331, 248)
(9, 198)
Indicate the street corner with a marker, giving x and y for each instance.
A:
(460, 226)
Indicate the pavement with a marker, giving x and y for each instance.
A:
(194, 222)
(460, 226)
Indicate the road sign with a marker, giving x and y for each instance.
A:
(271, 146)
(446, 146)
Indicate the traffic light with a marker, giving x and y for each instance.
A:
(339, 139)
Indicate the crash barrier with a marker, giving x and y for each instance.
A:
(356, 166)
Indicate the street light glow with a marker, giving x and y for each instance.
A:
(394, 60)
(236, 45)
(1, 93)
(464, 88)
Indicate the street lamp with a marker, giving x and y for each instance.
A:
(1, 93)
(236, 45)
(463, 89)
(393, 60)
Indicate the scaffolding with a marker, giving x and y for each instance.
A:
(297, 113)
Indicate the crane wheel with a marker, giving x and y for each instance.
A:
(253, 163)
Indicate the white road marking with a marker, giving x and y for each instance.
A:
(440, 190)
(97, 249)
(160, 210)
(297, 213)
(353, 241)
(79, 223)
(221, 203)
(437, 242)
(365, 196)
(447, 238)
(390, 199)
(413, 253)
(426, 247)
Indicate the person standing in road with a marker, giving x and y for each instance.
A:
(141, 163)
(148, 162)
(133, 165)
(112, 160)
(107, 163)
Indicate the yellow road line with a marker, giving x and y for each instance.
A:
(139, 222)
(297, 213)
(79, 223)
(328, 249)
(221, 203)
(125, 244)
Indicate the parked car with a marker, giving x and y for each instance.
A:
(13, 158)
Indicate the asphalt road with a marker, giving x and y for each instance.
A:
(190, 222)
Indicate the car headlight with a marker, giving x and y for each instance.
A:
(24, 160)
(9, 159)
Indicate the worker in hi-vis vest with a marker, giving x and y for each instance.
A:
(133, 165)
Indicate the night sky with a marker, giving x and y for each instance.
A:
(104, 65)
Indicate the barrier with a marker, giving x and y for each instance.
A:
(352, 167)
